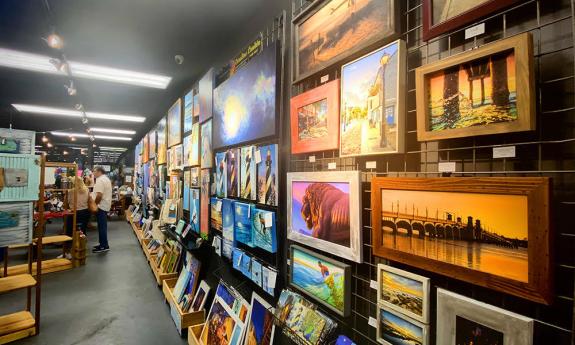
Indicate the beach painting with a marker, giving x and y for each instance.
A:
(326, 281)
(404, 292)
(216, 214)
(337, 29)
(161, 141)
(243, 214)
(264, 230)
(247, 173)
(395, 329)
(260, 324)
(206, 145)
(267, 171)
(175, 124)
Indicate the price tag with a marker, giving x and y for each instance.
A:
(504, 152)
(371, 165)
(373, 284)
(331, 166)
(268, 218)
(446, 167)
(476, 30)
(311, 159)
(258, 156)
(372, 322)
(324, 78)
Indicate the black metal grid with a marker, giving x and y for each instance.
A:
(547, 151)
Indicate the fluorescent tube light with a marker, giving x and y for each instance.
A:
(111, 148)
(83, 135)
(110, 130)
(36, 109)
(41, 63)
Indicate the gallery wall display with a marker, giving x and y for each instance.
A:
(462, 320)
(323, 211)
(328, 31)
(322, 279)
(441, 16)
(396, 329)
(314, 119)
(247, 101)
(373, 102)
(488, 90)
(206, 155)
(162, 148)
(503, 221)
(205, 95)
(404, 292)
(175, 124)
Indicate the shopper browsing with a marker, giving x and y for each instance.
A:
(82, 211)
(103, 197)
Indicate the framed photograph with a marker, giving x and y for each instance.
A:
(441, 16)
(201, 296)
(488, 90)
(322, 279)
(467, 321)
(162, 147)
(232, 176)
(247, 173)
(329, 31)
(260, 323)
(373, 103)
(314, 119)
(403, 291)
(206, 145)
(188, 111)
(396, 329)
(175, 124)
(152, 144)
(464, 228)
(205, 98)
(245, 104)
(324, 211)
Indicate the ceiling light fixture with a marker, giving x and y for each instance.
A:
(72, 91)
(83, 135)
(40, 63)
(49, 145)
(110, 130)
(54, 41)
(75, 113)
(44, 139)
(111, 148)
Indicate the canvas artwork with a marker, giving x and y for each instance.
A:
(248, 186)
(464, 228)
(216, 214)
(220, 326)
(194, 157)
(257, 272)
(243, 214)
(152, 140)
(372, 102)
(404, 292)
(267, 285)
(196, 104)
(325, 280)
(16, 223)
(396, 329)
(162, 148)
(221, 175)
(205, 96)
(484, 91)
(227, 248)
(323, 211)
(146, 152)
(267, 172)
(201, 296)
(178, 157)
(18, 141)
(246, 265)
(247, 100)
(186, 203)
(206, 145)
(232, 175)
(260, 324)
(195, 209)
(467, 321)
(187, 146)
(228, 219)
(188, 111)
(195, 177)
(237, 258)
(264, 230)
(175, 124)
(314, 119)
(205, 201)
(336, 29)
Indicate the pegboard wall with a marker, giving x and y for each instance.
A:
(547, 151)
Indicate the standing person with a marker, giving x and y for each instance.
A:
(103, 198)
(82, 213)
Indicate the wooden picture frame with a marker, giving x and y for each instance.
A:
(323, 10)
(342, 270)
(325, 97)
(308, 190)
(472, 14)
(422, 336)
(478, 198)
(174, 117)
(516, 100)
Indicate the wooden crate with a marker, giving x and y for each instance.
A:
(194, 333)
(181, 319)
(160, 276)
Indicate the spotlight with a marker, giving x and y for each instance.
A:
(54, 41)
(65, 153)
(94, 145)
(44, 139)
(49, 145)
(72, 138)
(71, 89)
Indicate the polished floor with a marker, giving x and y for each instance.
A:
(112, 300)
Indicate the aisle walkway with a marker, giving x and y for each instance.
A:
(112, 300)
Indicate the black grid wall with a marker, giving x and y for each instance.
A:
(547, 151)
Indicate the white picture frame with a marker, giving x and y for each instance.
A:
(352, 252)
(266, 305)
(205, 288)
(423, 339)
(515, 329)
(425, 287)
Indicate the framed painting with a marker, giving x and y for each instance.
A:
(216, 214)
(205, 95)
(442, 16)
(404, 292)
(324, 211)
(247, 101)
(322, 279)
(260, 323)
(267, 171)
(175, 124)
(196, 105)
(329, 31)
(162, 148)
(187, 145)
(188, 111)
(205, 201)
(195, 176)
(396, 329)
(488, 90)
(221, 175)
(467, 321)
(152, 144)
(373, 103)
(503, 222)
(200, 297)
(146, 152)
(206, 145)
(247, 173)
(314, 119)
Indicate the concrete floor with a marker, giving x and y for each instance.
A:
(112, 300)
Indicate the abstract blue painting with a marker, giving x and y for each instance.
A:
(245, 104)
(243, 223)
(264, 230)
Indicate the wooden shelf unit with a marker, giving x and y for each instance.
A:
(194, 333)
(182, 320)
(48, 266)
(16, 326)
(16, 282)
(158, 273)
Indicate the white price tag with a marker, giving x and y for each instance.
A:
(331, 166)
(258, 156)
(311, 159)
(373, 284)
(504, 152)
(446, 167)
(372, 322)
(371, 165)
(476, 30)
(324, 78)
(268, 218)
